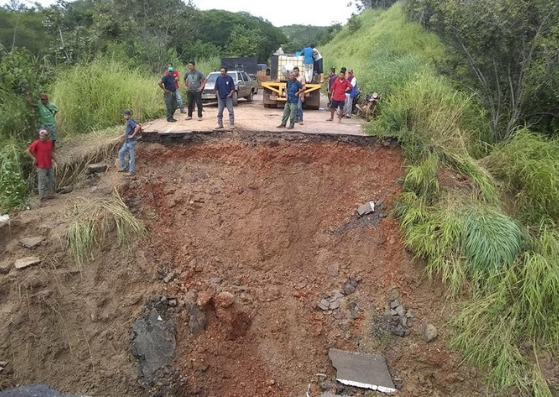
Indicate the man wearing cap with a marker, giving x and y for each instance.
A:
(348, 107)
(47, 111)
(131, 130)
(167, 84)
(41, 152)
(177, 76)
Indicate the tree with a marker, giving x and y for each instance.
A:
(506, 51)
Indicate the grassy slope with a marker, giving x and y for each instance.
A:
(451, 210)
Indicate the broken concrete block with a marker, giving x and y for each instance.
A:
(366, 208)
(31, 242)
(97, 168)
(26, 262)
(367, 371)
(5, 267)
(429, 333)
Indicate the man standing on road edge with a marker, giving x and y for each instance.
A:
(348, 107)
(177, 77)
(300, 79)
(47, 111)
(224, 88)
(41, 152)
(340, 87)
(194, 81)
(294, 89)
(167, 84)
(130, 131)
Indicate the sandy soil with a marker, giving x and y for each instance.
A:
(256, 232)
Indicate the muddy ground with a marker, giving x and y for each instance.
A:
(255, 232)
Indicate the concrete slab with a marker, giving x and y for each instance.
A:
(368, 371)
(31, 242)
(366, 208)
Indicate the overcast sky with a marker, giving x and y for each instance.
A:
(279, 13)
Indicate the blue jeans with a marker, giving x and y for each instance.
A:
(221, 104)
(299, 110)
(127, 147)
(179, 100)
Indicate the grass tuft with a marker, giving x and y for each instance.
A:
(95, 219)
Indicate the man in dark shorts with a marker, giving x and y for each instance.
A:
(339, 88)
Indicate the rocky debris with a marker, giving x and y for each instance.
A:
(367, 371)
(38, 390)
(197, 320)
(366, 208)
(328, 394)
(224, 299)
(97, 168)
(352, 311)
(31, 242)
(3, 365)
(331, 301)
(429, 333)
(396, 321)
(64, 190)
(350, 285)
(153, 344)
(334, 269)
(26, 262)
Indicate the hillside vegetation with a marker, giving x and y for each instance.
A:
(481, 213)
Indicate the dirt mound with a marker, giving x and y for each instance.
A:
(262, 263)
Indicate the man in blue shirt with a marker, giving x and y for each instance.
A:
(168, 85)
(224, 89)
(308, 62)
(293, 88)
(131, 130)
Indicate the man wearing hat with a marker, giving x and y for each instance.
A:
(167, 84)
(41, 152)
(131, 130)
(47, 111)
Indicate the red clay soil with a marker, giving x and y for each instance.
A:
(256, 232)
(272, 227)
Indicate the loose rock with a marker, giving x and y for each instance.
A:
(31, 242)
(429, 333)
(26, 262)
(96, 168)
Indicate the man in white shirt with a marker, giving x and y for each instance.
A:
(350, 95)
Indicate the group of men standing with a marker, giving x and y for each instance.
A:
(194, 81)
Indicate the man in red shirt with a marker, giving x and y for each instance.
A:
(340, 87)
(41, 151)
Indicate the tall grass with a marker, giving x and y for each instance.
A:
(481, 216)
(13, 186)
(528, 167)
(95, 219)
(92, 96)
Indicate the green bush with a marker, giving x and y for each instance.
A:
(13, 186)
(92, 96)
(528, 167)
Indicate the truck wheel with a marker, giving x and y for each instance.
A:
(235, 98)
(250, 97)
